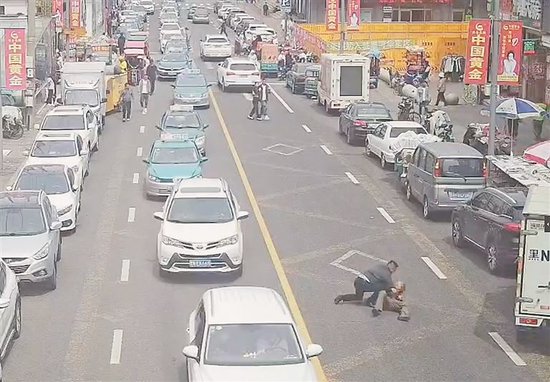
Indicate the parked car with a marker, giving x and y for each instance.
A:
(361, 118)
(29, 236)
(237, 72)
(379, 143)
(296, 77)
(312, 78)
(10, 309)
(232, 333)
(491, 222)
(443, 175)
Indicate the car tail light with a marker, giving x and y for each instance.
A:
(437, 169)
(360, 123)
(512, 227)
(528, 321)
(230, 73)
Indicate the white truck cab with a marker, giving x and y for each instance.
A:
(532, 310)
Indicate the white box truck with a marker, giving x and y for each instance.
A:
(344, 79)
(85, 83)
(532, 310)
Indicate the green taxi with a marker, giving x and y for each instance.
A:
(169, 161)
(180, 121)
(191, 88)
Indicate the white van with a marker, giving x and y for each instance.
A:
(532, 309)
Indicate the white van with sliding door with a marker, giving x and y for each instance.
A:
(532, 311)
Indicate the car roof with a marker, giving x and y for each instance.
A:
(67, 110)
(202, 187)
(20, 198)
(180, 112)
(410, 124)
(451, 150)
(245, 305)
(54, 136)
(216, 36)
(42, 168)
(236, 60)
(516, 196)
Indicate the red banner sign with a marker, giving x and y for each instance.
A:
(354, 14)
(57, 11)
(510, 48)
(397, 2)
(75, 14)
(15, 59)
(477, 56)
(333, 16)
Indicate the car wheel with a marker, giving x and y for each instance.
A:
(350, 138)
(456, 232)
(383, 163)
(493, 262)
(51, 283)
(17, 320)
(368, 152)
(408, 193)
(426, 210)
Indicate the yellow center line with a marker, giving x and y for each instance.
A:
(274, 255)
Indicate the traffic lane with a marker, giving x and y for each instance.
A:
(492, 295)
(49, 316)
(293, 219)
(153, 312)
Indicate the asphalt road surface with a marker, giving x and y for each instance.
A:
(319, 209)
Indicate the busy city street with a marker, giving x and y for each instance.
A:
(321, 212)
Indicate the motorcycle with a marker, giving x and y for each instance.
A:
(12, 122)
(445, 132)
(477, 136)
(406, 112)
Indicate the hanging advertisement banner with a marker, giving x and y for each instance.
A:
(57, 11)
(332, 17)
(477, 55)
(15, 59)
(354, 12)
(510, 48)
(74, 21)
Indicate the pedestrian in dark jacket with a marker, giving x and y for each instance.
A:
(126, 101)
(266, 9)
(264, 97)
(255, 112)
(374, 280)
(151, 72)
(121, 42)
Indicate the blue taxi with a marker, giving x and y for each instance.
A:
(180, 121)
(191, 88)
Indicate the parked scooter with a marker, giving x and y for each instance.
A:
(12, 122)
(477, 136)
(406, 112)
(438, 123)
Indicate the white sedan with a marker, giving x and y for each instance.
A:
(267, 34)
(237, 72)
(215, 46)
(380, 142)
(60, 148)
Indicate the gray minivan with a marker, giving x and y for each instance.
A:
(443, 175)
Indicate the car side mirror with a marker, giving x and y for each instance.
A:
(173, 86)
(205, 125)
(145, 160)
(191, 351)
(84, 152)
(4, 303)
(242, 215)
(26, 153)
(56, 225)
(204, 159)
(313, 350)
(159, 215)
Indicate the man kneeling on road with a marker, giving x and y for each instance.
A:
(375, 280)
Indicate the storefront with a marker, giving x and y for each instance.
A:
(545, 46)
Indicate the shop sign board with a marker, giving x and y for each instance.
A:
(354, 12)
(510, 49)
(477, 55)
(332, 15)
(529, 12)
(15, 59)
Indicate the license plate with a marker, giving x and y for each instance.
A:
(460, 195)
(243, 75)
(199, 263)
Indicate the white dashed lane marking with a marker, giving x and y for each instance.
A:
(139, 151)
(352, 178)
(125, 271)
(131, 214)
(434, 268)
(507, 349)
(306, 129)
(142, 129)
(385, 214)
(116, 347)
(281, 100)
(135, 179)
(326, 150)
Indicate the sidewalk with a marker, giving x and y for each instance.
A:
(272, 19)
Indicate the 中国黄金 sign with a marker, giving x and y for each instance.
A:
(332, 15)
(15, 59)
(477, 55)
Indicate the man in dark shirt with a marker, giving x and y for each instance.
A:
(151, 72)
(375, 280)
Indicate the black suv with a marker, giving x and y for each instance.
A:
(361, 118)
(491, 221)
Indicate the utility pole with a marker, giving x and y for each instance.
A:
(495, 30)
(31, 38)
(286, 26)
(342, 26)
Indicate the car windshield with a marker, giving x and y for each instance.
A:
(200, 210)
(54, 149)
(176, 43)
(21, 221)
(252, 345)
(82, 97)
(191, 81)
(201, 12)
(50, 182)
(174, 155)
(397, 131)
(170, 27)
(244, 66)
(462, 167)
(182, 121)
(373, 113)
(175, 57)
(63, 122)
(217, 40)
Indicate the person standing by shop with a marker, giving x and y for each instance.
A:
(50, 85)
(151, 72)
(441, 89)
(126, 101)
(144, 92)
(266, 8)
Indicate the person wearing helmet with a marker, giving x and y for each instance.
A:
(122, 64)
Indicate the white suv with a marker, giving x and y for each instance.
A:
(10, 308)
(215, 46)
(74, 119)
(201, 228)
(246, 334)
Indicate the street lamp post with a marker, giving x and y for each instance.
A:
(493, 76)
(342, 26)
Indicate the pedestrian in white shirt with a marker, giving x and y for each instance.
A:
(144, 92)
(50, 84)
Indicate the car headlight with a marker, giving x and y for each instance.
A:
(228, 241)
(205, 95)
(64, 210)
(42, 253)
(179, 96)
(200, 141)
(167, 240)
(75, 169)
(152, 178)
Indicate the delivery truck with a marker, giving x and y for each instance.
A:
(532, 308)
(344, 79)
(85, 83)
